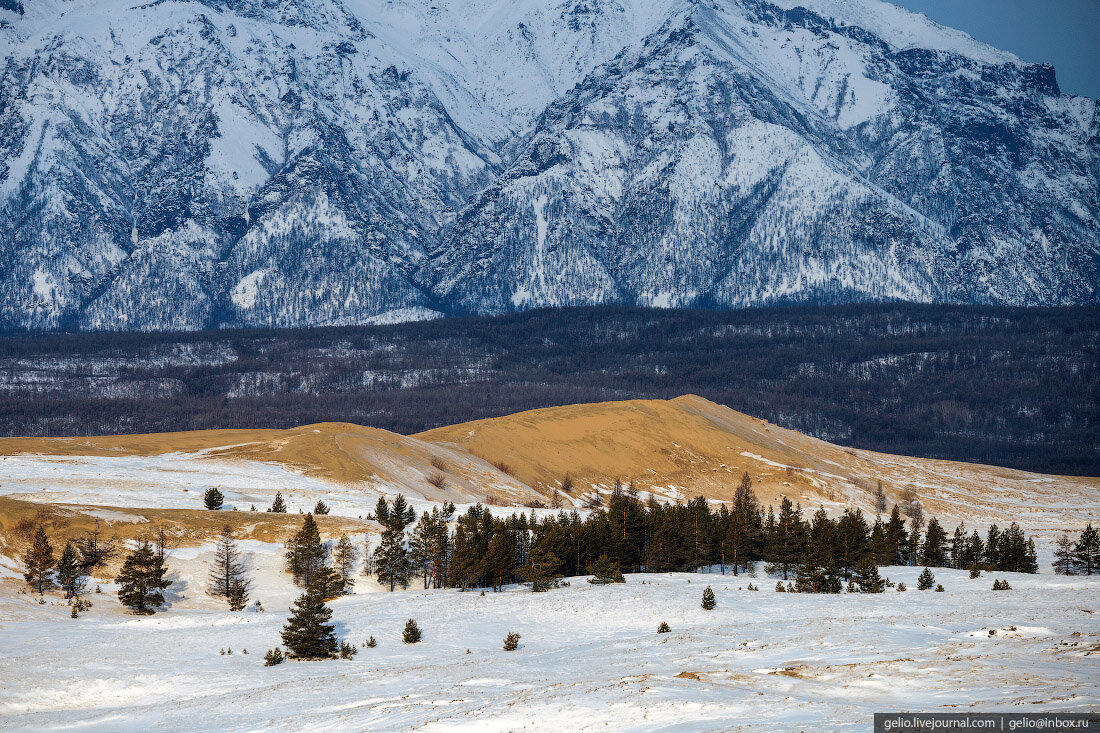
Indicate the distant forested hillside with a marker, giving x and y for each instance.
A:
(1014, 387)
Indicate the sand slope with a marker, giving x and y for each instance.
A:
(674, 449)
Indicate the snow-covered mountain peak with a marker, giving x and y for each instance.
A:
(189, 164)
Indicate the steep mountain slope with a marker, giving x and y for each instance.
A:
(177, 165)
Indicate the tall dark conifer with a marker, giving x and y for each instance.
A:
(70, 572)
(141, 580)
(39, 562)
(1086, 552)
(305, 553)
(307, 633)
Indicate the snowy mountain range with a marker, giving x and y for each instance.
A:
(181, 165)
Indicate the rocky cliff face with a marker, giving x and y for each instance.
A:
(180, 165)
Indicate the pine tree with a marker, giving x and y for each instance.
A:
(868, 579)
(213, 499)
(663, 628)
(926, 580)
(343, 559)
(1086, 552)
(934, 550)
(307, 633)
(709, 602)
(278, 506)
(541, 569)
(142, 580)
(785, 541)
(320, 508)
(1063, 556)
(412, 632)
(39, 561)
(992, 548)
(227, 574)
(1013, 555)
(328, 582)
(743, 536)
(238, 595)
(70, 572)
(896, 537)
(498, 560)
(391, 558)
(305, 553)
(511, 641)
(959, 546)
(604, 571)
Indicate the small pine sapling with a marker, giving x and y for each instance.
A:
(371, 643)
(779, 587)
(321, 508)
(278, 506)
(511, 641)
(975, 571)
(273, 657)
(926, 580)
(347, 651)
(412, 632)
(709, 602)
(663, 628)
(902, 588)
(213, 499)
(939, 588)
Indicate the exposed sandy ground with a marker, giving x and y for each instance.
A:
(675, 449)
(691, 447)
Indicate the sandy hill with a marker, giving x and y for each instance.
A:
(690, 447)
(675, 449)
(315, 459)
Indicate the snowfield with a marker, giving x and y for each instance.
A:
(589, 657)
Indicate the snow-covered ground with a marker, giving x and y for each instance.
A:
(590, 657)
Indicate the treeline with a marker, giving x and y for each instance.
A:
(479, 550)
(1008, 386)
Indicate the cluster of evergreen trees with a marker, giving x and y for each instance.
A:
(1078, 558)
(820, 553)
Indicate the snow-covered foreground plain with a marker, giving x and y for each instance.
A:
(590, 657)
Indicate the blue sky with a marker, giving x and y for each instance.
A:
(1063, 33)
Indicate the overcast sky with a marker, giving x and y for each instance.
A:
(1062, 33)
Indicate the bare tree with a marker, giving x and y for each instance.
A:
(880, 499)
(95, 550)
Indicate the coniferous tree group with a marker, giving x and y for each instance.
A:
(1078, 558)
(817, 555)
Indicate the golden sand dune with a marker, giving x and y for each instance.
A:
(690, 447)
(336, 453)
(676, 449)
